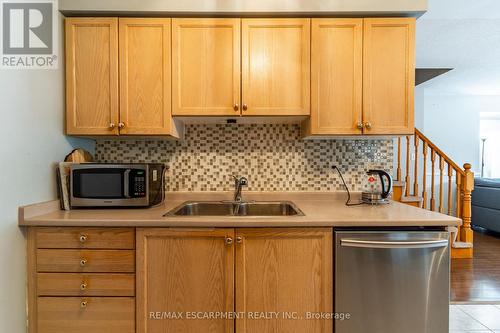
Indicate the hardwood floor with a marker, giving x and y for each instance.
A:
(478, 279)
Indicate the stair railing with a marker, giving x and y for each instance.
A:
(458, 190)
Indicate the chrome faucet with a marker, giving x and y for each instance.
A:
(239, 182)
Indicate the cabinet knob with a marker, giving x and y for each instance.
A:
(83, 304)
(83, 286)
(245, 107)
(83, 238)
(112, 125)
(229, 240)
(359, 125)
(236, 107)
(239, 239)
(368, 125)
(83, 262)
(121, 125)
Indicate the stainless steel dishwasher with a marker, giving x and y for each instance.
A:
(392, 281)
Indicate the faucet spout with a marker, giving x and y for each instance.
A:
(239, 182)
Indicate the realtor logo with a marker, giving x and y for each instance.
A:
(28, 34)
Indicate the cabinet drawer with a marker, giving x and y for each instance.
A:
(105, 261)
(85, 238)
(97, 315)
(81, 284)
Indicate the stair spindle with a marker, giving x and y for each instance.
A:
(433, 160)
(424, 177)
(441, 168)
(450, 174)
(407, 177)
(415, 170)
(459, 195)
(398, 170)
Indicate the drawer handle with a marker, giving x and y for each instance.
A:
(83, 286)
(229, 240)
(239, 239)
(83, 238)
(83, 304)
(83, 262)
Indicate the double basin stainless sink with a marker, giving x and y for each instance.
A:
(230, 208)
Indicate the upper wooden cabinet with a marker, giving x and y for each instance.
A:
(275, 57)
(363, 77)
(137, 101)
(336, 76)
(389, 75)
(145, 80)
(92, 76)
(205, 67)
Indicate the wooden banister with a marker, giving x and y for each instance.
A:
(462, 177)
(468, 187)
(439, 151)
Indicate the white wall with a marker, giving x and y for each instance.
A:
(452, 122)
(31, 140)
(402, 6)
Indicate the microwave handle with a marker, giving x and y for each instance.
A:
(126, 183)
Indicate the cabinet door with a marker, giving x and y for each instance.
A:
(145, 76)
(184, 272)
(336, 76)
(286, 271)
(205, 66)
(91, 76)
(389, 75)
(275, 67)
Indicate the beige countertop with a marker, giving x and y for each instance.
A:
(320, 209)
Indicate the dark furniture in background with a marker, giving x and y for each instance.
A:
(486, 204)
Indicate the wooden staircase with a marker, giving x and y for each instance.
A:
(451, 191)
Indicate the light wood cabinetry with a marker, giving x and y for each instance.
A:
(363, 77)
(287, 271)
(184, 272)
(275, 57)
(179, 280)
(205, 66)
(85, 282)
(92, 76)
(118, 79)
(85, 238)
(336, 76)
(389, 75)
(85, 315)
(145, 79)
(121, 261)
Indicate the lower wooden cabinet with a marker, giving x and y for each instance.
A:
(85, 315)
(287, 273)
(214, 280)
(181, 275)
(81, 280)
(222, 280)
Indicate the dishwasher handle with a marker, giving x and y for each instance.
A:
(424, 244)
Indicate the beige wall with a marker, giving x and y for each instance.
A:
(341, 6)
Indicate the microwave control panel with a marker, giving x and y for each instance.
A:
(138, 183)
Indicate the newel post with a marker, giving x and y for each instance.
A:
(468, 186)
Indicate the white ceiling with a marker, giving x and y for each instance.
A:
(465, 35)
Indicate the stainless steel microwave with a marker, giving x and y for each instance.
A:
(116, 185)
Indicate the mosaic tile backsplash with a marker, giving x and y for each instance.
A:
(271, 156)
